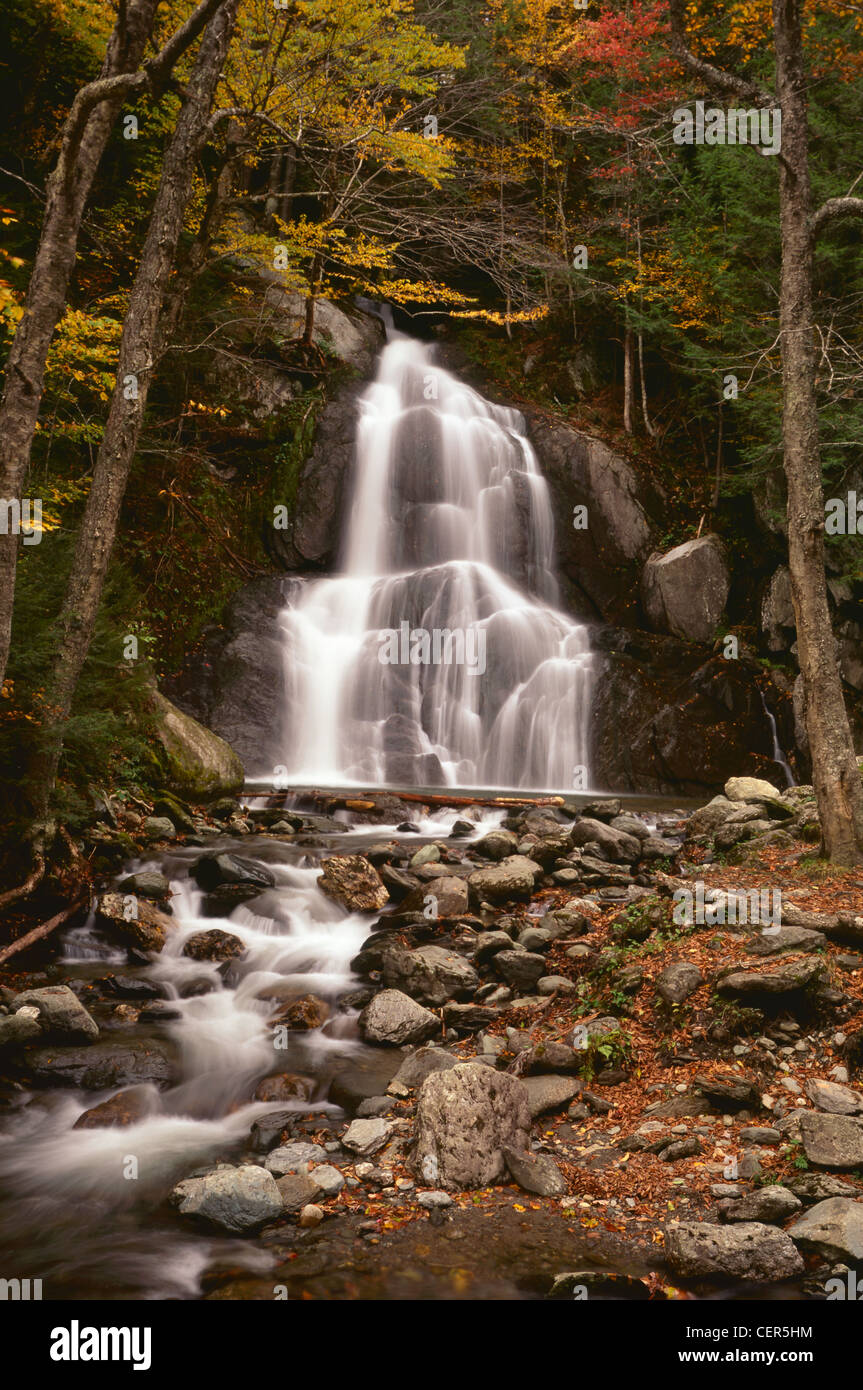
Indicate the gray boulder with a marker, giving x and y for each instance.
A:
(536, 1173)
(750, 1251)
(678, 980)
(833, 1227)
(770, 1204)
(513, 877)
(464, 1119)
(235, 1199)
(394, 1018)
(430, 973)
(550, 1092)
(832, 1141)
(60, 1011)
(685, 591)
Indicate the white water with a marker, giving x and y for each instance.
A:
(449, 528)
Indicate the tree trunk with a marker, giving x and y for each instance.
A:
(85, 136)
(627, 381)
(835, 774)
(139, 346)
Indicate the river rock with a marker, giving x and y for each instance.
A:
(497, 844)
(146, 883)
(834, 1227)
(829, 1096)
(684, 591)
(615, 843)
(102, 1065)
(394, 1018)
(770, 1204)
(536, 1173)
(444, 897)
(521, 969)
(285, 1086)
(750, 1251)
(19, 1028)
(136, 921)
(753, 789)
(513, 877)
(60, 1011)
(354, 882)
(415, 1068)
(817, 1187)
(212, 871)
(832, 1141)
(295, 1158)
(214, 944)
(431, 974)
(550, 1092)
(304, 1013)
(235, 1199)
(297, 1189)
(328, 1178)
(464, 1118)
(678, 980)
(363, 1075)
(124, 1109)
(365, 1137)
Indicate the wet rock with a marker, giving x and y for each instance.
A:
(16, 1029)
(304, 1013)
(102, 1065)
(677, 981)
(211, 871)
(513, 877)
(132, 987)
(354, 882)
(550, 1092)
(60, 1011)
(616, 844)
(446, 897)
(365, 1137)
(328, 1179)
(497, 844)
(295, 1158)
(285, 1086)
(750, 1251)
(159, 828)
(146, 883)
(136, 921)
(126, 1108)
(363, 1076)
(214, 944)
(234, 1199)
(464, 1118)
(770, 1205)
(394, 1018)
(430, 973)
(833, 1098)
(534, 1172)
(297, 1189)
(267, 1131)
(832, 1141)
(310, 1216)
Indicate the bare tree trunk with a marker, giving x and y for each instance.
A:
(644, 411)
(627, 381)
(835, 774)
(85, 135)
(143, 334)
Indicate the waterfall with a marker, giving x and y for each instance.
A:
(439, 655)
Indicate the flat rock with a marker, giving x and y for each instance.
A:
(832, 1141)
(834, 1227)
(513, 877)
(536, 1173)
(832, 1098)
(295, 1158)
(782, 979)
(364, 1137)
(550, 1092)
(102, 1066)
(769, 1204)
(235, 1199)
(750, 1251)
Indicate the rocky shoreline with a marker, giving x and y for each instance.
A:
(591, 1041)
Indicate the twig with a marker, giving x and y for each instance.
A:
(44, 930)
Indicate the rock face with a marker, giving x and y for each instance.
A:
(395, 1018)
(464, 1119)
(599, 563)
(354, 882)
(200, 764)
(235, 1199)
(750, 1251)
(684, 591)
(60, 1011)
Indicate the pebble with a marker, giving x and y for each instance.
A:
(433, 1199)
(311, 1216)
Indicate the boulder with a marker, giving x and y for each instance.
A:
(550, 1092)
(444, 897)
(354, 882)
(294, 1158)
(365, 1137)
(394, 1018)
(684, 591)
(782, 979)
(750, 1251)
(234, 1199)
(752, 789)
(102, 1065)
(521, 969)
(832, 1141)
(199, 763)
(771, 1205)
(615, 843)
(214, 945)
(678, 980)
(416, 1067)
(16, 1029)
(124, 1109)
(213, 871)
(536, 1173)
(297, 1190)
(136, 921)
(833, 1098)
(513, 877)
(61, 1013)
(431, 974)
(834, 1228)
(464, 1119)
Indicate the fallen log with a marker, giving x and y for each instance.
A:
(38, 933)
(438, 799)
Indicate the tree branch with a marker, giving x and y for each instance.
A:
(717, 79)
(833, 209)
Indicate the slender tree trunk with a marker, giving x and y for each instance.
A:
(835, 774)
(143, 333)
(627, 381)
(85, 135)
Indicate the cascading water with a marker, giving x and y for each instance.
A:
(439, 656)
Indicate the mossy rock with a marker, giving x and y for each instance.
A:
(198, 763)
